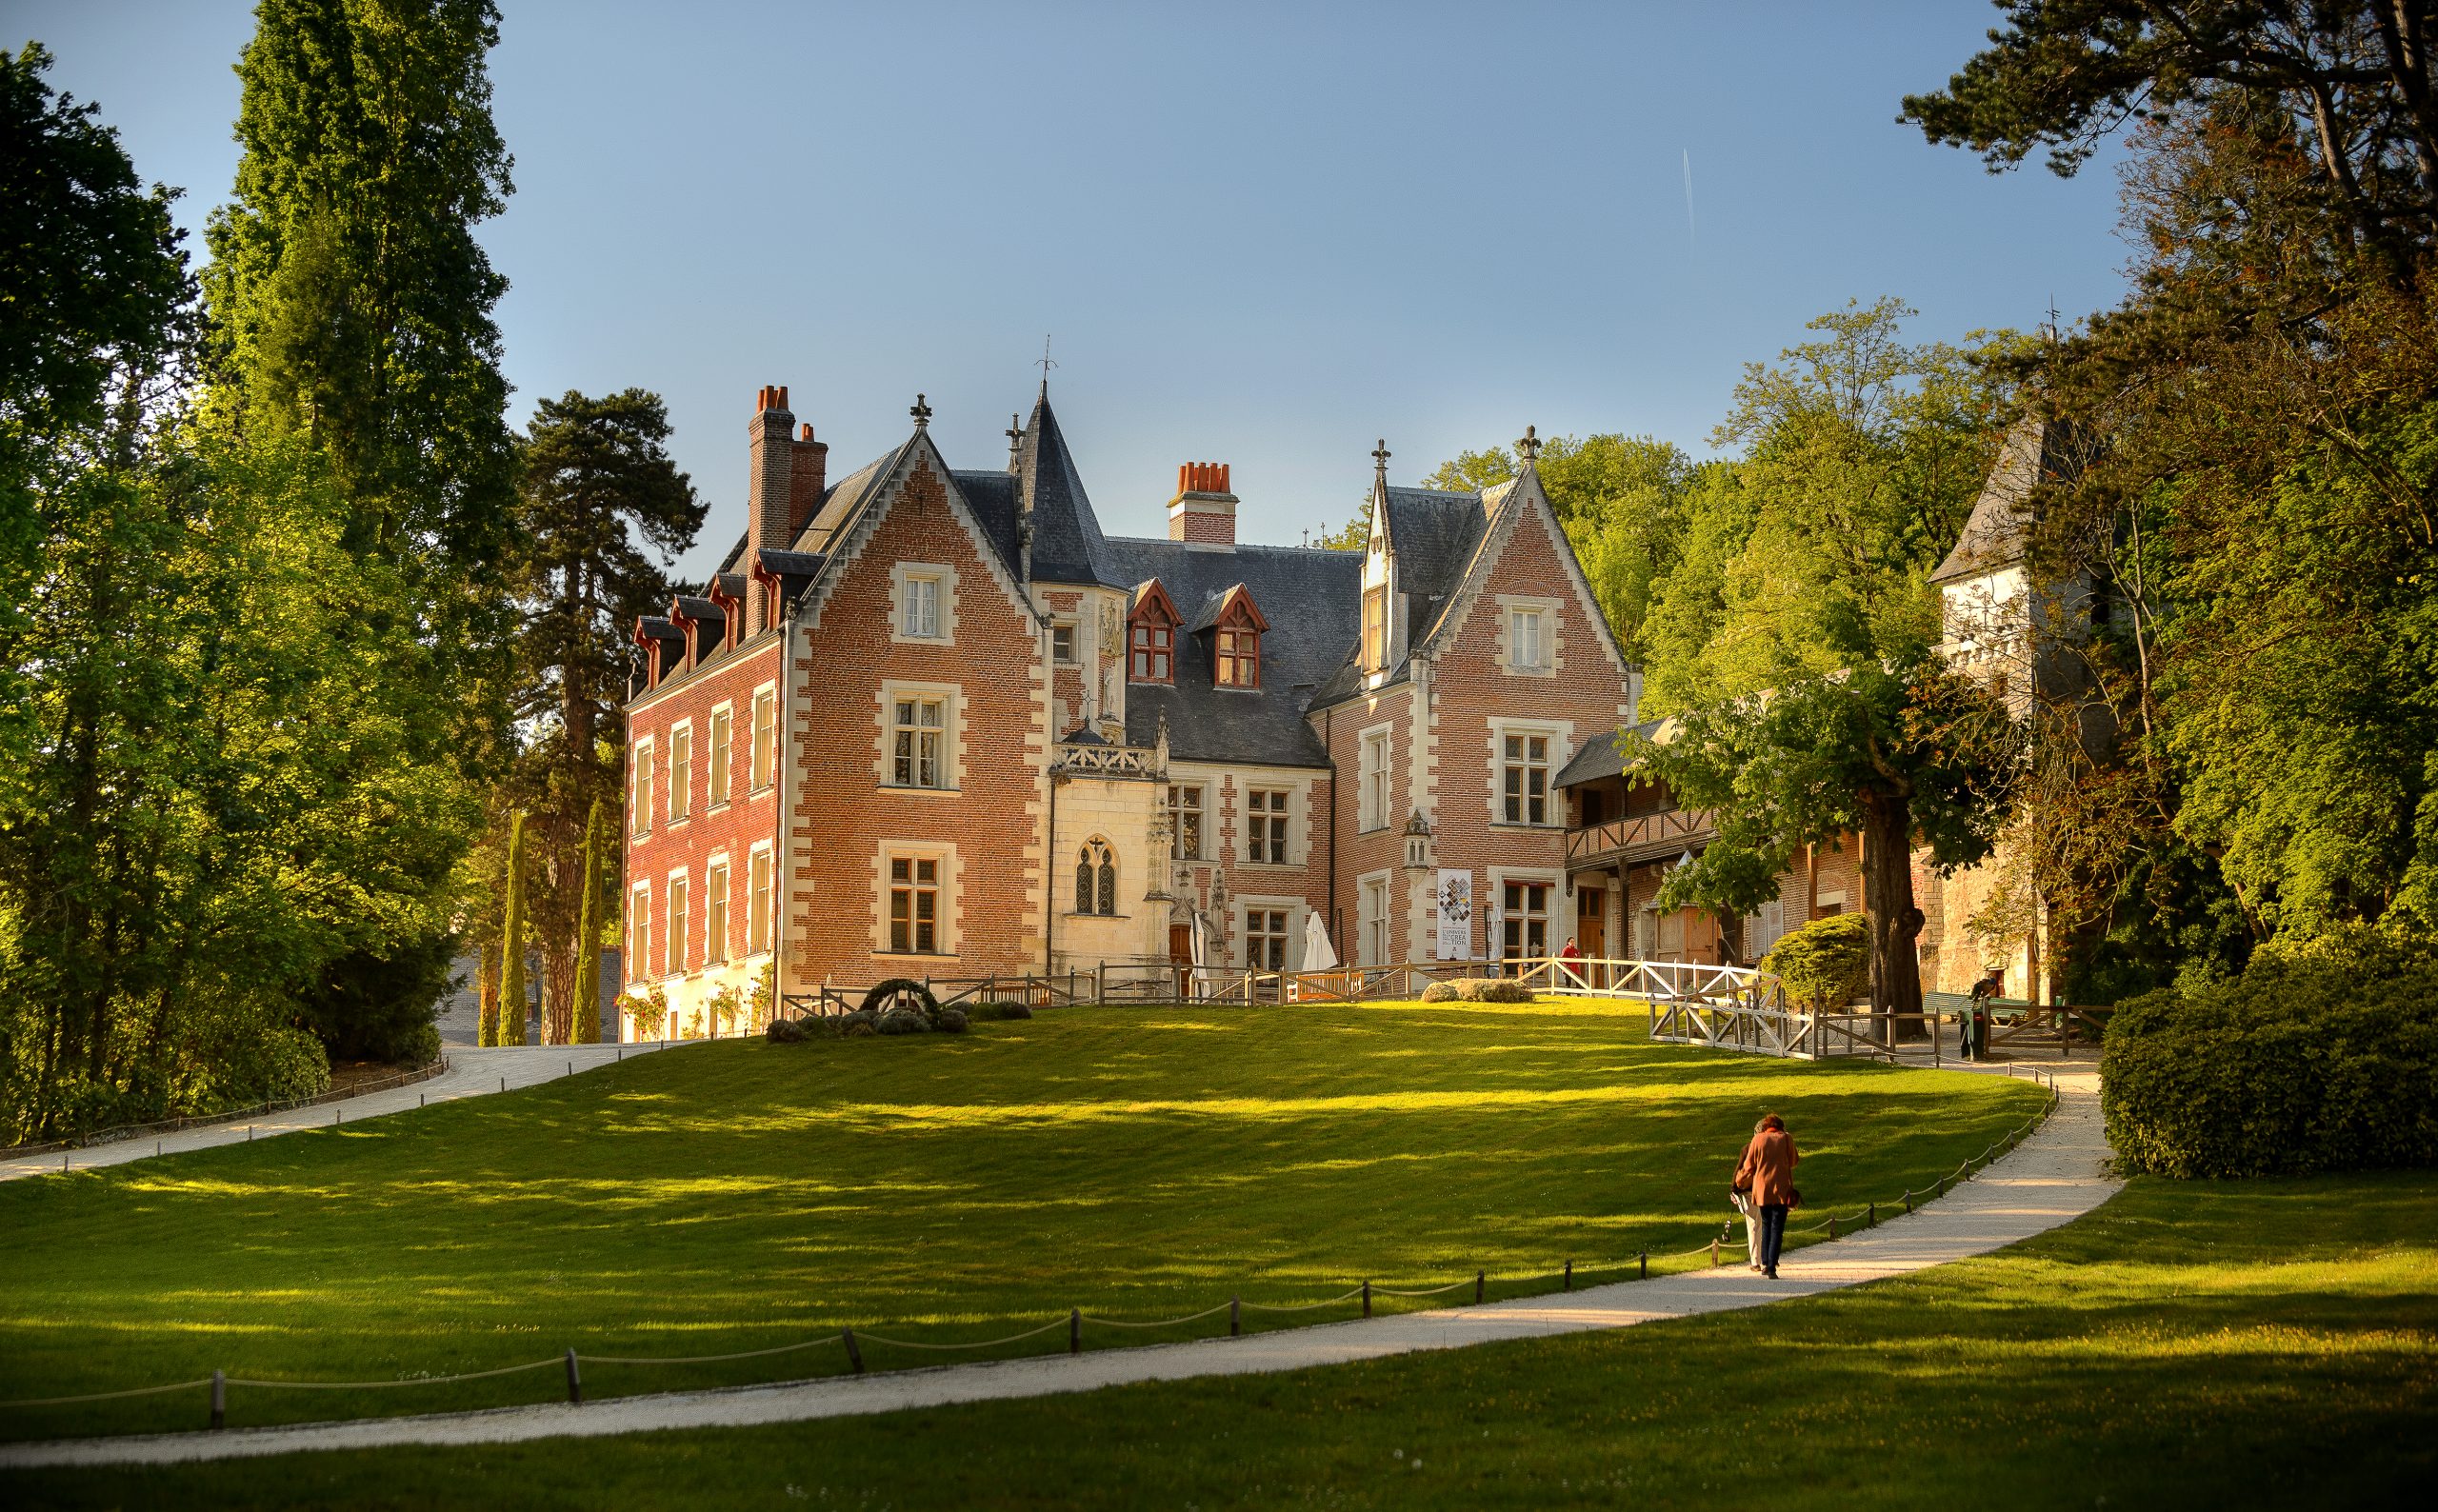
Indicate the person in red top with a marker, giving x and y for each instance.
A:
(1765, 1177)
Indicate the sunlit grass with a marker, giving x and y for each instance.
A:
(1136, 1163)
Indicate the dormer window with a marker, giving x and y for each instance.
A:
(1151, 637)
(1375, 628)
(1236, 651)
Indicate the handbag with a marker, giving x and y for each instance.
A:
(1794, 1196)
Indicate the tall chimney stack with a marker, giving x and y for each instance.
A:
(768, 489)
(1203, 513)
(805, 483)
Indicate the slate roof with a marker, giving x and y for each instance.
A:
(1599, 757)
(1067, 546)
(992, 496)
(1313, 601)
(1999, 528)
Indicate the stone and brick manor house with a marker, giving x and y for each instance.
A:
(927, 720)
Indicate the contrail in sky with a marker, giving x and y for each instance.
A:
(1689, 240)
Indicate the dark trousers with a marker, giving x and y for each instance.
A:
(1773, 1233)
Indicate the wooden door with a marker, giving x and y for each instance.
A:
(1180, 944)
(1591, 923)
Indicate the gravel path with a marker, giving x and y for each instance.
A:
(2052, 1178)
(469, 1073)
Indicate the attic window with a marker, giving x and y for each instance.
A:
(1151, 637)
(1375, 628)
(1236, 657)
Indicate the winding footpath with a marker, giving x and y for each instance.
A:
(2052, 1178)
(468, 1073)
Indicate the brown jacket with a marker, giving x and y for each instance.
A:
(1768, 1168)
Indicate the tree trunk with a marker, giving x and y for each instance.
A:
(558, 994)
(1895, 921)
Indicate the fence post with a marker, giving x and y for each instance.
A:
(1100, 981)
(220, 1399)
(854, 1356)
(575, 1380)
(1367, 1299)
(1713, 1254)
(1870, 1220)
(1236, 1317)
(1481, 1281)
(1833, 1225)
(1643, 1260)
(1075, 1330)
(1567, 1285)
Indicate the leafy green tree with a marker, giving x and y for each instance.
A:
(1796, 649)
(512, 936)
(602, 508)
(1472, 470)
(587, 928)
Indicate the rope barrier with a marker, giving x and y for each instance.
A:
(1073, 1320)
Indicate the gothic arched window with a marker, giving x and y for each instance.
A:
(1095, 879)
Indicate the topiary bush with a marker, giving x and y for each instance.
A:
(1826, 964)
(851, 1027)
(1479, 989)
(1004, 1009)
(1441, 992)
(2318, 1058)
(903, 1021)
(901, 992)
(951, 1021)
(785, 1031)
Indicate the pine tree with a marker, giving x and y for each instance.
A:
(512, 976)
(588, 931)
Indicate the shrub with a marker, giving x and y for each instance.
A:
(851, 1027)
(785, 1031)
(1441, 992)
(903, 1021)
(1479, 989)
(2318, 1058)
(276, 1065)
(647, 1010)
(1004, 1009)
(951, 1021)
(1826, 964)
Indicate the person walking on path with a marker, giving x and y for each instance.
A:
(1766, 1176)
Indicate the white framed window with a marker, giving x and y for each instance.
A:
(681, 772)
(637, 961)
(673, 936)
(1524, 778)
(1062, 643)
(1524, 917)
(1375, 627)
(766, 737)
(639, 766)
(1097, 879)
(1267, 936)
(758, 900)
(1185, 821)
(1373, 780)
(715, 912)
(721, 734)
(1372, 919)
(924, 599)
(1530, 632)
(1266, 827)
(918, 742)
(914, 904)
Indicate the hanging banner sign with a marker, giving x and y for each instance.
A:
(1455, 916)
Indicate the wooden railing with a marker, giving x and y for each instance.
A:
(1646, 837)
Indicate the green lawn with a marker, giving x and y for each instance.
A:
(1137, 1162)
(2259, 1345)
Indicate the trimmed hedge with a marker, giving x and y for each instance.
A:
(1478, 989)
(1826, 964)
(2318, 1058)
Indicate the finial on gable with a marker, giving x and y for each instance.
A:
(1380, 459)
(922, 413)
(1528, 447)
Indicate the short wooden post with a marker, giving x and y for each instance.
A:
(575, 1380)
(1367, 1299)
(854, 1356)
(1075, 1330)
(1833, 1225)
(63, 1155)
(1713, 1254)
(1870, 1218)
(1642, 1263)
(570, 1068)
(1567, 1285)
(1481, 1283)
(1909, 1199)
(220, 1399)
(338, 1114)
(1236, 1317)
(419, 1097)
(503, 1084)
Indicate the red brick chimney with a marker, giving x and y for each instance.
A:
(810, 475)
(769, 490)
(1203, 511)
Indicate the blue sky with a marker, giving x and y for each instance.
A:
(1260, 235)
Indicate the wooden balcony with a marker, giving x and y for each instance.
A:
(1648, 837)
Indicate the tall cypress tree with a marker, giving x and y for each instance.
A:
(588, 931)
(511, 974)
